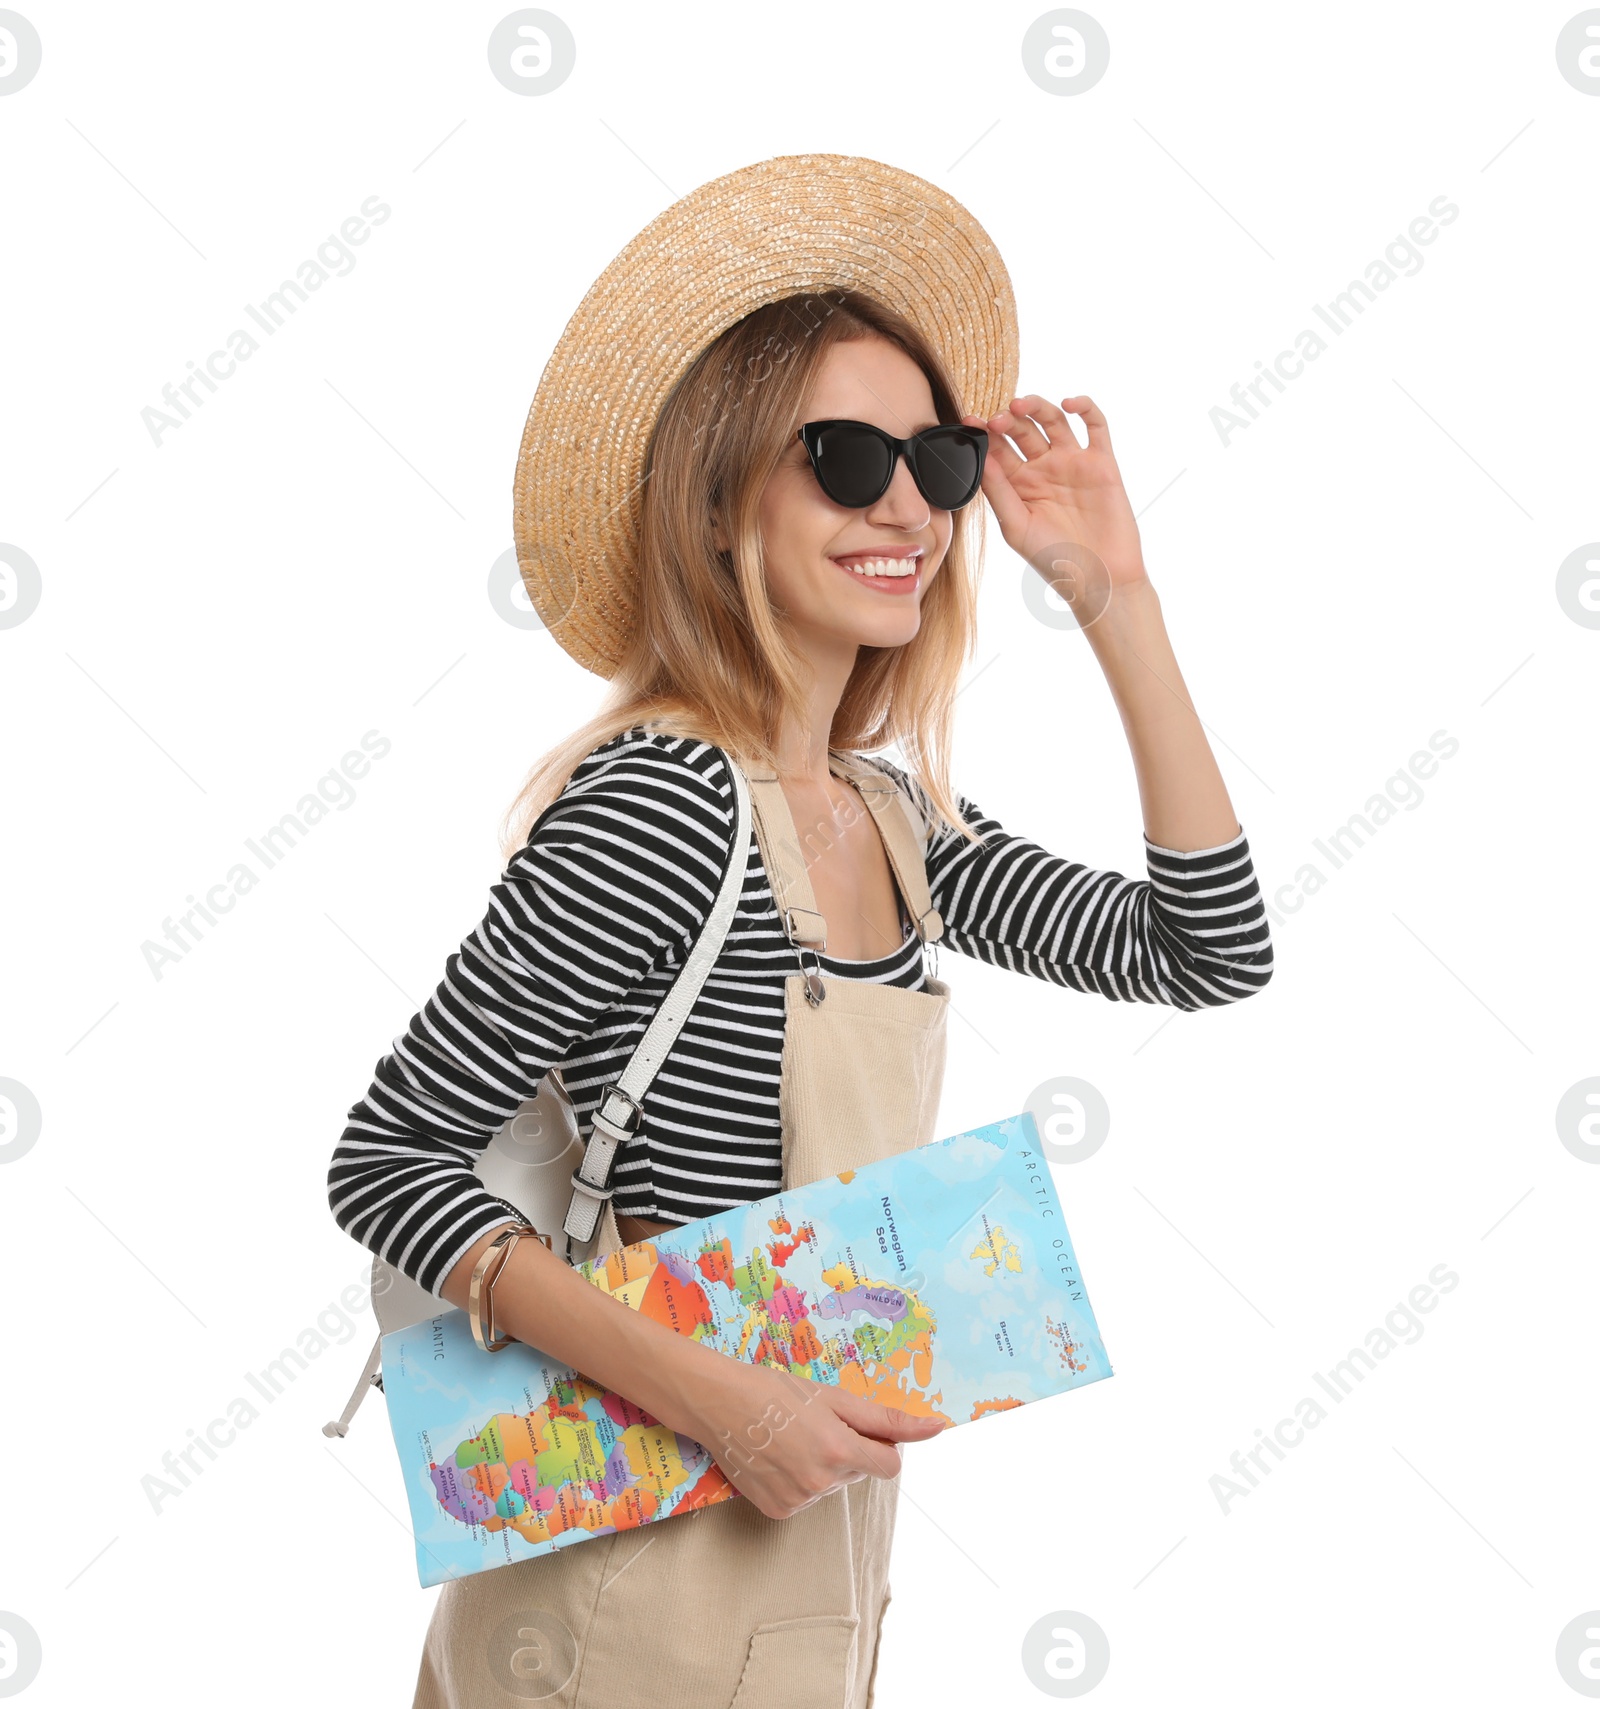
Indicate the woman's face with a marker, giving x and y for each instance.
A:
(813, 544)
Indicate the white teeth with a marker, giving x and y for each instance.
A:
(884, 567)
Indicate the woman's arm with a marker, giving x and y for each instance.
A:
(782, 1440)
(1181, 791)
(617, 878)
(1193, 934)
(1063, 507)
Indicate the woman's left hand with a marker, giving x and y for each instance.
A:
(1046, 490)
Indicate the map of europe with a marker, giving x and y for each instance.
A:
(941, 1281)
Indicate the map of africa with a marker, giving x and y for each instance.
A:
(941, 1281)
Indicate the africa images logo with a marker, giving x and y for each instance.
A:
(1402, 258)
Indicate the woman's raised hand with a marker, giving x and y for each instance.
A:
(1047, 491)
(785, 1441)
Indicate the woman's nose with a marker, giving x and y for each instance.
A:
(901, 506)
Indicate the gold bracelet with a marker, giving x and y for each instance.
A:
(480, 1294)
(488, 1286)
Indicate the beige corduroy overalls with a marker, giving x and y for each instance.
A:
(725, 1608)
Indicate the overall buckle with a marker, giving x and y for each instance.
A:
(805, 926)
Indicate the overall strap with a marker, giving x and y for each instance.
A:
(899, 824)
(785, 859)
(904, 835)
(785, 863)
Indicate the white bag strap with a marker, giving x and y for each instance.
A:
(617, 1118)
(619, 1114)
(371, 1377)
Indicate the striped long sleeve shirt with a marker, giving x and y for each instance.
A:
(591, 922)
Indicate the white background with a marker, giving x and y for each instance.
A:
(307, 559)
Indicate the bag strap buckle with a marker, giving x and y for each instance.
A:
(619, 1113)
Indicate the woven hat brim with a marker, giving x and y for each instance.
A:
(805, 222)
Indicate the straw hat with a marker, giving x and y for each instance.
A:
(799, 222)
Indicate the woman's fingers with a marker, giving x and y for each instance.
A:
(1036, 425)
(1093, 420)
(877, 1459)
(1053, 420)
(827, 1438)
(1001, 452)
(1009, 510)
(1014, 422)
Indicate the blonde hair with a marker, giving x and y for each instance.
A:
(708, 657)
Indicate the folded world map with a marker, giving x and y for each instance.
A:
(941, 1281)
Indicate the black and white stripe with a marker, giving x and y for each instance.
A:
(592, 919)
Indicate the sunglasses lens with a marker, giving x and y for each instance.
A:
(948, 465)
(852, 465)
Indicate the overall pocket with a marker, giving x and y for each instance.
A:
(798, 1664)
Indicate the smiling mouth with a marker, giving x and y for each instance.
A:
(896, 570)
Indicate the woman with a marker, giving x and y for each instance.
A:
(760, 582)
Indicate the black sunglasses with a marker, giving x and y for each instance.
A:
(854, 462)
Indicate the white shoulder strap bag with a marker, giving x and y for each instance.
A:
(538, 1162)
